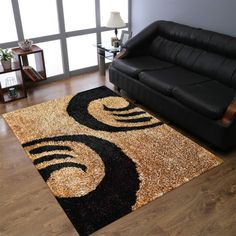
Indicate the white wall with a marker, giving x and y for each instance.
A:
(216, 15)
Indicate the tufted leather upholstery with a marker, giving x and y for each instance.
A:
(196, 59)
(133, 66)
(166, 80)
(194, 69)
(209, 98)
(205, 52)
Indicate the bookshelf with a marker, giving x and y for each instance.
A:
(13, 81)
(29, 72)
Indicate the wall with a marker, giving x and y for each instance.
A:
(216, 15)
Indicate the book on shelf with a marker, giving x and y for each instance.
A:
(32, 73)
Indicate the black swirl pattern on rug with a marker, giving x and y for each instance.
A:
(129, 114)
(51, 157)
(78, 109)
(49, 148)
(113, 197)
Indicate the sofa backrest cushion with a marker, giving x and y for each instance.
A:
(204, 52)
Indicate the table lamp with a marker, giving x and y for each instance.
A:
(115, 21)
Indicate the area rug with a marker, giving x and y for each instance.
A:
(103, 157)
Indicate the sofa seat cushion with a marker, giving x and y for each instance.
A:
(165, 80)
(133, 66)
(210, 98)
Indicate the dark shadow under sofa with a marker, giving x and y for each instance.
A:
(185, 74)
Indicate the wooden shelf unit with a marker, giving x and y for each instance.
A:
(8, 82)
(21, 57)
(23, 73)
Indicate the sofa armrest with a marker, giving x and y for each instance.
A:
(122, 54)
(139, 44)
(230, 113)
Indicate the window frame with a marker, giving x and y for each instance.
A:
(63, 35)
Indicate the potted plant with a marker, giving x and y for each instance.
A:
(6, 56)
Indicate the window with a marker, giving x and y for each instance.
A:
(7, 23)
(39, 18)
(113, 5)
(52, 57)
(79, 14)
(66, 30)
(82, 51)
(106, 36)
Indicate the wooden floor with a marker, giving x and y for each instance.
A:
(204, 206)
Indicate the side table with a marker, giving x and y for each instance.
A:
(105, 51)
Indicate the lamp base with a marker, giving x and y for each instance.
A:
(115, 42)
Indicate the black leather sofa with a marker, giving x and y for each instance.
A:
(186, 74)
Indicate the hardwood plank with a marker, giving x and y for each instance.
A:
(204, 206)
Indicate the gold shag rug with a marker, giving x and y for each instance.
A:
(103, 157)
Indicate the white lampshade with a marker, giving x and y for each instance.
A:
(115, 20)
